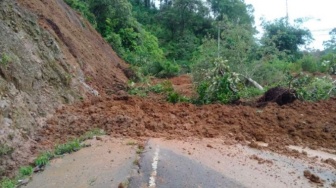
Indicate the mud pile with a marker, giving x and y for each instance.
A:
(299, 123)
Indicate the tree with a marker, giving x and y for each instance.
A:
(285, 37)
(235, 10)
(330, 45)
(329, 57)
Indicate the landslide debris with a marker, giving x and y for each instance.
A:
(298, 123)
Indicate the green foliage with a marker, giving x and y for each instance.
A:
(329, 62)
(250, 92)
(330, 45)
(163, 69)
(164, 87)
(83, 7)
(25, 171)
(309, 63)
(174, 97)
(311, 88)
(44, 158)
(7, 183)
(5, 150)
(273, 73)
(68, 147)
(217, 83)
(285, 37)
(138, 91)
(235, 10)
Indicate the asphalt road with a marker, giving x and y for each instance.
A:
(212, 164)
(192, 163)
(175, 170)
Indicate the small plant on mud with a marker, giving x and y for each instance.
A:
(5, 150)
(44, 158)
(138, 91)
(131, 143)
(5, 59)
(25, 171)
(68, 147)
(91, 134)
(174, 97)
(164, 87)
(7, 183)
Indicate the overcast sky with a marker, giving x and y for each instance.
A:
(321, 12)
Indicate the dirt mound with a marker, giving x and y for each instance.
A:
(299, 123)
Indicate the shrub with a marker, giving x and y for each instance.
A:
(313, 88)
(174, 97)
(163, 69)
(25, 171)
(309, 64)
(164, 87)
(219, 84)
(7, 183)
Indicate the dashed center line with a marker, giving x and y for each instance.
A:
(154, 168)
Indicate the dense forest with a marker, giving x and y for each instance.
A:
(215, 42)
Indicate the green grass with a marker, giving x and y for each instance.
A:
(25, 171)
(91, 134)
(68, 147)
(5, 59)
(44, 158)
(7, 183)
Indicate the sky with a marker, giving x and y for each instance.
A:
(322, 15)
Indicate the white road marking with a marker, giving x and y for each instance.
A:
(154, 167)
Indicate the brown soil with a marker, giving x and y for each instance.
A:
(299, 123)
(312, 177)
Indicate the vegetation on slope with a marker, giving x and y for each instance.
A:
(183, 36)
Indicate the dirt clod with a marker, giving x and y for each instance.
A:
(312, 177)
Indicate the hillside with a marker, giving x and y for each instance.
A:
(50, 56)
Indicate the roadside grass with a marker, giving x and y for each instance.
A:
(44, 158)
(7, 183)
(25, 171)
(68, 147)
(140, 149)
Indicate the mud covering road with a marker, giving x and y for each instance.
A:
(193, 162)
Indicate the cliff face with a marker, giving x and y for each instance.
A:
(49, 56)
